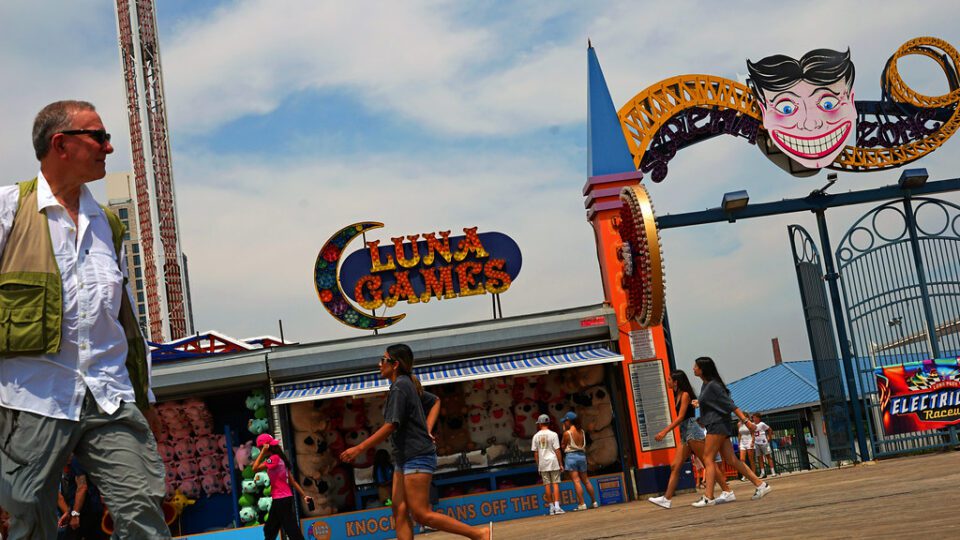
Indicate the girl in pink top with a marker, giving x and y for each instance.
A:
(282, 515)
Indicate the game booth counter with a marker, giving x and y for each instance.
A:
(493, 379)
(211, 408)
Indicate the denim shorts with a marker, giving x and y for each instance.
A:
(575, 462)
(691, 430)
(427, 463)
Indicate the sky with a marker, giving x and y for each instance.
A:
(292, 119)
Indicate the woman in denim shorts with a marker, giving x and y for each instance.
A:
(409, 416)
(574, 446)
(692, 436)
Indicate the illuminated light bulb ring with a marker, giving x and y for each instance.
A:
(326, 279)
(643, 274)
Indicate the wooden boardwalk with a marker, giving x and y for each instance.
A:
(911, 497)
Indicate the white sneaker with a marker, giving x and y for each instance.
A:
(552, 510)
(595, 505)
(704, 501)
(661, 501)
(557, 511)
(581, 507)
(762, 490)
(726, 496)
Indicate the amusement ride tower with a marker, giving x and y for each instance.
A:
(165, 284)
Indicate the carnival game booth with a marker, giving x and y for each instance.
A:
(211, 407)
(493, 378)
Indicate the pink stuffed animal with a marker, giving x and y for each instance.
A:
(211, 483)
(205, 445)
(184, 449)
(190, 488)
(241, 457)
(165, 451)
(186, 468)
(208, 464)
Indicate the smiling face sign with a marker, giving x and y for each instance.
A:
(807, 104)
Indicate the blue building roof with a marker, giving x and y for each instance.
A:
(789, 385)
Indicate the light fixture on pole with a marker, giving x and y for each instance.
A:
(734, 201)
(912, 178)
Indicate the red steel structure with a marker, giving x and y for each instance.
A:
(150, 150)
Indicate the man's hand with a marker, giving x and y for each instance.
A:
(64, 520)
(153, 419)
(74, 522)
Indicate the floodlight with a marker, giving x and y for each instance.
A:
(734, 200)
(912, 178)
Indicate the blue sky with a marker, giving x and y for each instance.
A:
(291, 119)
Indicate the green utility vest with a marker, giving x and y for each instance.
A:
(31, 305)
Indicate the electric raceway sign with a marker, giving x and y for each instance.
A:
(413, 269)
(919, 396)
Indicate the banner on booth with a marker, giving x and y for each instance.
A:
(919, 396)
(475, 509)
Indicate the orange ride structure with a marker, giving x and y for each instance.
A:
(631, 268)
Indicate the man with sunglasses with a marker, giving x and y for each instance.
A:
(74, 367)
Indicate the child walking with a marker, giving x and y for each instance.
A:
(282, 515)
(546, 452)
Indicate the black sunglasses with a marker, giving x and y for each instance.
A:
(99, 135)
(387, 359)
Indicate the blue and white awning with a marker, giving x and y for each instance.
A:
(463, 370)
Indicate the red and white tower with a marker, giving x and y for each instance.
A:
(167, 309)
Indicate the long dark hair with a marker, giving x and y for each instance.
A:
(708, 371)
(275, 450)
(819, 67)
(683, 383)
(403, 356)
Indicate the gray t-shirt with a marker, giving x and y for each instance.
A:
(408, 411)
(715, 403)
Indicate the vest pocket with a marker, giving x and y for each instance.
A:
(21, 320)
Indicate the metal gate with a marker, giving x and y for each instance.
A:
(788, 442)
(899, 268)
(823, 342)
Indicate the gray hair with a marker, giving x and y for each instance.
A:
(53, 118)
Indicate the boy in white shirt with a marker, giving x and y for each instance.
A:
(761, 445)
(546, 453)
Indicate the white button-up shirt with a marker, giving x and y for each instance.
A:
(93, 347)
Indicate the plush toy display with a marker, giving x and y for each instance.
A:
(594, 408)
(525, 388)
(481, 432)
(373, 410)
(355, 437)
(453, 435)
(191, 453)
(475, 394)
(602, 450)
(352, 416)
(258, 426)
(525, 414)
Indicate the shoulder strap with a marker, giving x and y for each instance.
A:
(26, 187)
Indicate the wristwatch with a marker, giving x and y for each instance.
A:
(74, 513)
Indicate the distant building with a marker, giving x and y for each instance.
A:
(122, 201)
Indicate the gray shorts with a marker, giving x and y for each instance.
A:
(691, 430)
(550, 477)
(763, 449)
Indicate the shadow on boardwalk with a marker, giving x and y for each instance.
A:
(911, 497)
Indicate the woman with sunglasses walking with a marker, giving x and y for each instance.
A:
(415, 455)
(715, 408)
(691, 439)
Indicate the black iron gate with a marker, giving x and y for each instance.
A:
(826, 363)
(899, 266)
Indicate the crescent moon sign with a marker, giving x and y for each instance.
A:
(326, 279)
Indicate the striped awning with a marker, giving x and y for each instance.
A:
(462, 370)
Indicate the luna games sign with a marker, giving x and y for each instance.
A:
(919, 396)
(413, 268)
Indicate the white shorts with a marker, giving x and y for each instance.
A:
(746, 444)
